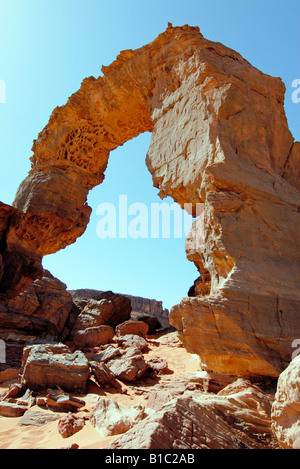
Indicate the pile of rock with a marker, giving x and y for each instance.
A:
(97, 340)
(199, 410)
(106, 355)
(47, 310)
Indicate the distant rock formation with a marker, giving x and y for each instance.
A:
(146, 306)
(46, 309)
(220, 139)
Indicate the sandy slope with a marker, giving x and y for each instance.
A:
(14, 436)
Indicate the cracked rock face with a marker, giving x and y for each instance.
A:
(50, 365)
(220, 139)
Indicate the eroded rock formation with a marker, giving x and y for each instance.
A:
(43, 309)
(220, 139)
(237, 418)
(141, 307)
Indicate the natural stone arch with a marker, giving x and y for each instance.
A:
(220, 138)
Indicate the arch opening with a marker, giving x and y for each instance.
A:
(134, 242)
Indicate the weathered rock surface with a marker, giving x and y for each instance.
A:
(107, 354)
(128, 367)
(244, 324)
(190, 384)
(37, 418)
(94, 336)
(70, 424)
(158, 365)
(140, 306)
(20, 261)
(42, 309)
(151, 321)
(8, 374)
(111, 418)
(104, 375)
(105, 308)
(50, 365)
(286, 407)
(220, 138)
(132, 340)
(45, 298)
(291, 171)
(237, 418)
(11, 409)
(132, 327)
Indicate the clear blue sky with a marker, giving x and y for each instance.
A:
(48, 47)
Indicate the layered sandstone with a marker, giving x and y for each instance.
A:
(219, 139)
(237, 418)
(42, 309)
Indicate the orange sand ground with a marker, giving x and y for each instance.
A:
(14, 436)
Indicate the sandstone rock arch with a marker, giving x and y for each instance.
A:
(220, 138)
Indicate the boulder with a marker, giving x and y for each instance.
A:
(63, 402)
(132, 327)
(121, 307)
(8, 374)
(70, 424)
(93, 336)
(286, 407)
(45, 298)
(151, 321)
(130, 366)
(107, 354)
(13, 391)
(132, 340)
(158, 365)
(51, 365)
(37, 418)
(105, 308)
(95, 313)
(104, 375)
(112, 418)
(11, 409)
